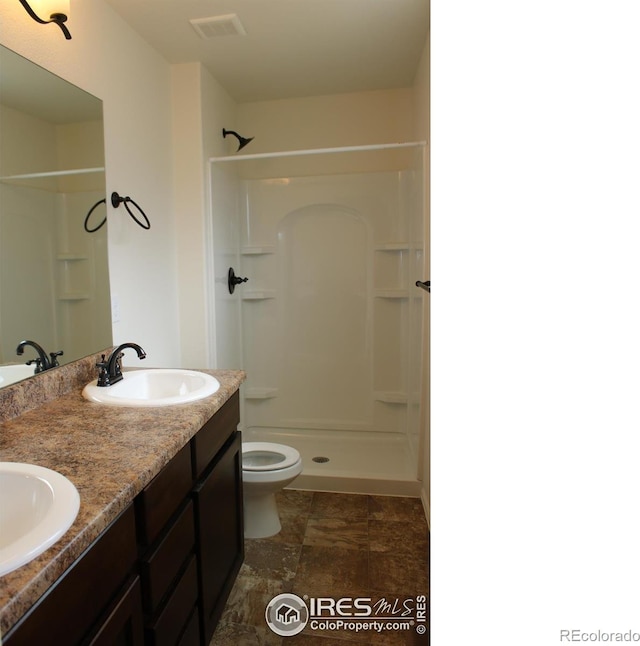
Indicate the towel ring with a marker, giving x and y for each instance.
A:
(116, 201)
(91, 210)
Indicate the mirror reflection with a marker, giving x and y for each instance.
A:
(54, 279)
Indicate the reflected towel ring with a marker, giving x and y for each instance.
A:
(91, 210)
(116, 200)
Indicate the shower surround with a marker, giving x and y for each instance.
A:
(330, 317)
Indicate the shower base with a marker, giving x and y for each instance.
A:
(347, 461)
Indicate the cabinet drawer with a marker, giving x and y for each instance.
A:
(191, 635)
(162, 566)
(168, 628)
(85, 590)
(158, 501)
(123, 624)
(213, 435)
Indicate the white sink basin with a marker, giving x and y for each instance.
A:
(37, 506)
(9, 374)
(154, 387)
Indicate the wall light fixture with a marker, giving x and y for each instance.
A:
(57, 10)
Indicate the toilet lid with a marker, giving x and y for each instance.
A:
(267, 456)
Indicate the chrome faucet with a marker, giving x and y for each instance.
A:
(42, 362)
(111, 368)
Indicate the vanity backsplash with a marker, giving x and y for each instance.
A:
(28, 394)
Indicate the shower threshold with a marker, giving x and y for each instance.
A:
(347, 461)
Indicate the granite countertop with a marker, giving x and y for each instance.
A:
(110, 454)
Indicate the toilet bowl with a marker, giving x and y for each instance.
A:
(266, 469)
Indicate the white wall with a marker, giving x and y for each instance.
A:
(106, 58)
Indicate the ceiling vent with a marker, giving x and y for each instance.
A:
(217, 26)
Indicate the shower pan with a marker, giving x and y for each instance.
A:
(328, 326)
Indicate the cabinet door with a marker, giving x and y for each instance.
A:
(218, 499)
(71, 608)
(124, 624)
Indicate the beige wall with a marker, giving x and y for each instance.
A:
(188, 185)
(106, 58)
(201, 108)
(422, 95)
(27, 236)
(328, 121)
(63, 305)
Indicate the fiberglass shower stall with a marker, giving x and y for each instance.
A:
(328, 325)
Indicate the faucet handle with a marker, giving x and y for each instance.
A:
(38, 363)
(118, 364)
(54, 358)
(103, 375)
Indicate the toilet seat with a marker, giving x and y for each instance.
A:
(268, 456)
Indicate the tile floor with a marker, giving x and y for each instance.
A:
(334, 545)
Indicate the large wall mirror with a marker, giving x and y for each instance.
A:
(54, 278)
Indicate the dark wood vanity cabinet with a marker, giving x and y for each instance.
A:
(166, 534)
(220, 534)
(161, 573)
(97, 600)
(191, 535)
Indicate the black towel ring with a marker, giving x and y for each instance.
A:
(116, 201)
(93, 208)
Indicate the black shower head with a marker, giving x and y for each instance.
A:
(242, 141)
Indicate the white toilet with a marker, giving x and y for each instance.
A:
(266, 469)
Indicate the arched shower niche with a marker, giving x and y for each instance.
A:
(328, 326)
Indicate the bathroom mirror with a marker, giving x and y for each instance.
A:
(54, 278)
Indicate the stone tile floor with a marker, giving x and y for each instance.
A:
(331, 545)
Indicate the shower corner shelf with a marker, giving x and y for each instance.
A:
(74, 296)
(393, 246)
(391, 293)
(257, 250)
(260, 393)
(259, 295)
(53, 173)
(70, 256)
(390, 397)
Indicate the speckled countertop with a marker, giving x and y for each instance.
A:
(109, 453)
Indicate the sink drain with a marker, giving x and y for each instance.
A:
(320, 458)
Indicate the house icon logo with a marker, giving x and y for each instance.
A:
(286, 615)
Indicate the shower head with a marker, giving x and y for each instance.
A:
(242, 141)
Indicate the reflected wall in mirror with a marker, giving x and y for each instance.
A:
(54, 278)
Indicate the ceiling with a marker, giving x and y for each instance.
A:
(292, 48)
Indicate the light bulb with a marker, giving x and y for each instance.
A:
(47, 8)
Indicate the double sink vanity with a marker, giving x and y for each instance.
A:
(157, 541)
